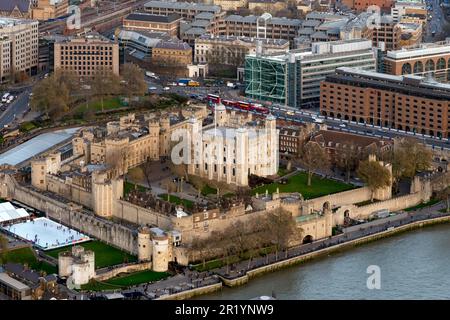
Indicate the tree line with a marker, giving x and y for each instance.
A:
(63, 90)
(249, 239)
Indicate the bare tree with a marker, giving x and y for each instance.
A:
(313, 157)
(104, 83)
(409, 157)
(133, 81)
(281, 227)
(347, 158)
(374, 175)
(147, 170)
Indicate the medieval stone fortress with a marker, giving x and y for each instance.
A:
(162, 150)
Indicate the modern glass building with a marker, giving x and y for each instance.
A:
(293, 78)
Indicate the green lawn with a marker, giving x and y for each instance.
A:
(283, 171)
(423, 205)
(96, 106)
(126, 281)
(298, 183)
(208, 190)
(128, 187)
(176, 200)
(27, 126)
(105, 255)
(26, 256)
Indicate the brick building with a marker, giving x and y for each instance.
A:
(408, 103)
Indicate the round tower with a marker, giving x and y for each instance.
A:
(160, 244)
(144, 244)
(220, 114)
(65, 261)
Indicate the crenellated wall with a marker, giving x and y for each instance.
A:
(70, 214)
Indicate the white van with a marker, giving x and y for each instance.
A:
(5, 97)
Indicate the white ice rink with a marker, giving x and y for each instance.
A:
(47, 234)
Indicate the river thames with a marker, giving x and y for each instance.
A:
(413, 265)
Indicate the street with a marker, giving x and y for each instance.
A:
(16, 109)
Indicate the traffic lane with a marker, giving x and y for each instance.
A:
(17, 107)
(360, 129)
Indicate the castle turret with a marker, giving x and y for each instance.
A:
(220, 114)
(144, 244)
(160, 256)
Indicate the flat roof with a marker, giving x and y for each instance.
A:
(13, 282)
(183, 6)
(36, 146)
(424, 50)
(142, 16)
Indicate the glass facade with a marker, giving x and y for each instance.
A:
(265, 79)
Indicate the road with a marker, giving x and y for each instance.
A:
(436, 23)
(16, 109)
(289, 114)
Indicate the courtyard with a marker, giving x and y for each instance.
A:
(298, 183)
(105, 255)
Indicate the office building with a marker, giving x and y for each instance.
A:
(293, 78)
(19, 47)
(87, 55)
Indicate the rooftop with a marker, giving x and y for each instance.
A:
(183, 6)
(140, 16)
(11, 22)
(425, 49)
(13, 282)
(413, 84)
(10, 5)
(36, 146)
(174, 45)
(252, 19)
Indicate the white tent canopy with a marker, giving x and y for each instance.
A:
(9, 213)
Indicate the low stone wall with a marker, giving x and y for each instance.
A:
(337, 199)
(193, 292)
(394, 204)
(125, 269)
(296, 260)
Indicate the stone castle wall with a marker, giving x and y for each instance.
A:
(70, 215)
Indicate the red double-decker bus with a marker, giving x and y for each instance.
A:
(212, 99)
(259, 108)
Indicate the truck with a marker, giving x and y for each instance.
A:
(151, 75)
(384, 213)
(193, 83)
(183, 82)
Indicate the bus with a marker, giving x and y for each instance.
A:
(244, 105)
(229, 103)
(212, 99)
(259, 108)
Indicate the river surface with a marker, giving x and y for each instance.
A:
(413, 265)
